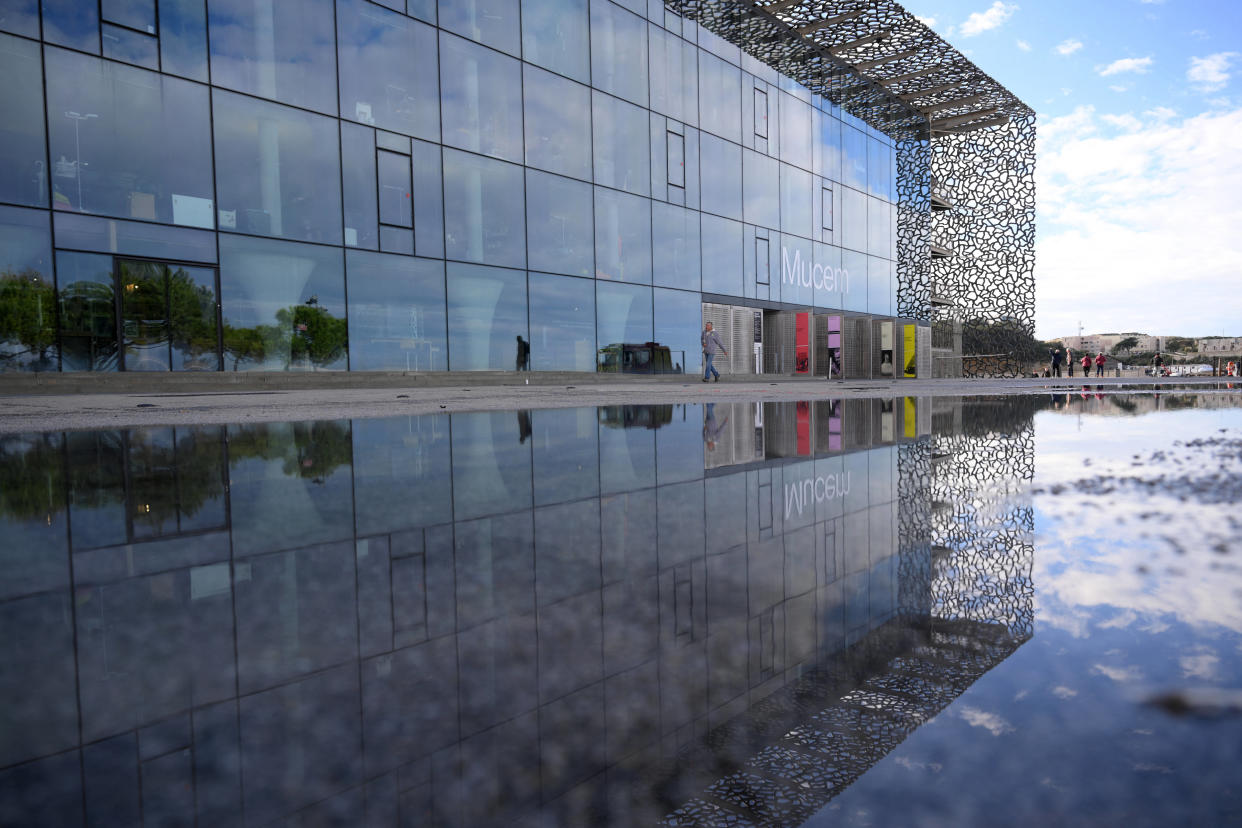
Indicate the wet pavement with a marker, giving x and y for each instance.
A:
(868, 610)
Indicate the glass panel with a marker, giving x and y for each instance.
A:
(486, 319)
(795, 201)
(721, 188)
(828, 147)
(144, 316)
(761, 182)
(722, 256)
(279, 170)
(795, 131)
(20, 17)
(283, 305)
(879, 233)
(192, 319)
(23, 165)
(480, 99)
(137, 14)
(133, 238)
(622, 145)
(396, 240)
(27, 292)
(761, 114)
(394, 484)
(395, 204)
(618, 52)
(358, 181)
(674, 76)
(676, 159)
(879, 286)
(565, 456)
(484, 219)
(853, 226)
(853, 157)
(562, 323)
(678, 314)
(72, 23)
(493, 23)
(623, 317)
(622, 237)
(131, 47)
(797, 271)
(554, 35)
(396, 313)
(183, 38)
(675, 246)
(491, 475)
(829, 280)
(388, 70)
(428, 200)
(879, 167)
(558, 124)
(853, 281)
(87, 312)
(720, 97)
(559, 224)
(825, 208)
(282, 51)
(127, 142)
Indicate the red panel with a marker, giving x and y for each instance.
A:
(804, 429)
(802, 343)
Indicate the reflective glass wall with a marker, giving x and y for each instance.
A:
(413, 185)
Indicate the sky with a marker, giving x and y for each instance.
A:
(1139, 154)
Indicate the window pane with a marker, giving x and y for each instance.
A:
(828, 147)
(481, 99)
(562, 323)
(722, 256)
(20, 17)
(795, 131)
(192, 319)
(127, 142)
(795, 200)
(797, 271)
(879, 233)
(72, 23)
(618, 52)
(493, 23)
(279, 170)
(283, 305)
(676, 144)
(22, 176)
(388, 70)
(183, 38)
(27, 292)
(761, 179)
(623, 317)
(359, 186)
(558, 124)
(554, 35)
(879, 167)
(133, 238)
(720, 97)
(428, 200)
(674, 76)
(137, 14)
(853, 229)
(282, 51)
(879, 286)
(131, 47)
(675, 246)
(853, 280)
(622, 237)
(853, 157)
(721, 186)
(395, 204)
(396, 313)
(678, 314)
(484, 218)
(559, 225)
(486, 318)
(87, 312)
(565, 456)
(144, 316)
(829, 280)
(622, 145)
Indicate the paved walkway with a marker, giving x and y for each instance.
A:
(72, 402)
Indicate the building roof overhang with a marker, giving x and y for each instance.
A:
(871, 57)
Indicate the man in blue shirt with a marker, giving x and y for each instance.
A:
(711, 346)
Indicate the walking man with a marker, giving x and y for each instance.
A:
(1100, 359)
(711, 346)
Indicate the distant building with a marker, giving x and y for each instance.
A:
(1106, 342)
(1219, 345)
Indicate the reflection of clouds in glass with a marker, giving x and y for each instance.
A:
(991, 722)
(1121, 675)
(1202, 663)
(1063, 692)
(910, 764)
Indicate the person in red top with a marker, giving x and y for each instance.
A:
(1086, 366)
(1100, 359)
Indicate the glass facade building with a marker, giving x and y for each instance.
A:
(406, 185)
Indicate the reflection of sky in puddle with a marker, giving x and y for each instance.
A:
(1138, 579)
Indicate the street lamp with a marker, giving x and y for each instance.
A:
(77, 117)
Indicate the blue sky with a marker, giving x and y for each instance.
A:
(1139, 172)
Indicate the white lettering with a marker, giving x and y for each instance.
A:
(791, 275)
(815, 490)
(823, 277)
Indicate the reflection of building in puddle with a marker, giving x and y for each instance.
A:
(483, 619)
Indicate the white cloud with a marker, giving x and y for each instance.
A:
(1068, 47)
(1126, 122)
(929, 22)
(1141, 224)
(1117, 87)
(994, 17)
(1024, 46)
(1062, 692)
(1140, 65)
(990, 722)
(1121, 675)
(1161, 113)
(1210, 73)
(1202, 664)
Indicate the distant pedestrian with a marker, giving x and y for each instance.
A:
(523, 354)
(1057, 356)
(1231, 368)
(1100, 359)
(1157, 365)
(712, 345)
(1069, 360)
(1086, 366)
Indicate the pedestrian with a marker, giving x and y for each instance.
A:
(523, 354)
(711, 428)
(712, 345)
(1069, 360)
(1100, 359)
(1057, 356)
(1157, 365)
(1086, 366)
(1231, 368)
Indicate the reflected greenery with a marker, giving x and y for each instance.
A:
(27, 318)
(305, 333)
